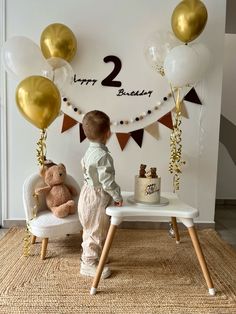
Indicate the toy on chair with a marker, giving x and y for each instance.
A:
(59, 196)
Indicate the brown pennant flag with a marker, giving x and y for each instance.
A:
(138, 136)
(68, 123)
(192, 96)
(81, 133)
(167, 120)
(184, 112)
(153, 130)
(123, 139)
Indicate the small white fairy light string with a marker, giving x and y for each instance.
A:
(137, 118)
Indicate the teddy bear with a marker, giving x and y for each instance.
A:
(142, 171)
(152, 173)
(58, 194)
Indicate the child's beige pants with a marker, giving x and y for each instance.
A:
(95, 222)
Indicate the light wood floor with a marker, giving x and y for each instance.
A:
(2, 232)
(225, 223)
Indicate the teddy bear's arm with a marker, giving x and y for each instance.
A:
(42, 190)
(72, 190)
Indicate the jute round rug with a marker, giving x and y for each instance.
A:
(151, 274)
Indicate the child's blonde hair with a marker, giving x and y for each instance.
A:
(95, 125)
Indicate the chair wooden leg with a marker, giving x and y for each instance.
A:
(44, 248)
(81, 233)
(33, 239)
(176, 230)
(201, 259)
(103, 258)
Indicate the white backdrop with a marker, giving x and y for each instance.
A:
(119, 28)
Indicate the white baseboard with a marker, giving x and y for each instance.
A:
(8, 223)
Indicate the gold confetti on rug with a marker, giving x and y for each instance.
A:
(151, 274)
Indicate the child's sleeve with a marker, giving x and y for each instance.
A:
(106, 176)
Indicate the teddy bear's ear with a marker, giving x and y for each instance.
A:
(61, 165)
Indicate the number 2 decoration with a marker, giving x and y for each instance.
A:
(109, 80)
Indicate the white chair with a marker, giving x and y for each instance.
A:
(45, 225)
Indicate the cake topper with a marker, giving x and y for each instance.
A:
(152, 173)
(142, 171)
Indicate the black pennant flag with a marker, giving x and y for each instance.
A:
(81, 133)
(138, 136)
(192, 96)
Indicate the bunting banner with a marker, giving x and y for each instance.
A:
(68, 123)
(138, 136)
(192, 96)
(153, 130)
(184, 112)
(123, 139)
(81, 133)
(167, 120)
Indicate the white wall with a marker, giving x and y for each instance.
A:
(226, 178)
(119, 27)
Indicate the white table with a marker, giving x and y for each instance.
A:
(175, 209)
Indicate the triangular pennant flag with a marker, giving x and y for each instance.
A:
(68, 123)
(153, 130)
(192, 96)
(81, 133)
(184, 111)
(123, 139)
(138, 136)
(167, 120)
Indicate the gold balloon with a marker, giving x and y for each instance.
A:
(57, 40)
(189, 19)
(39, 101)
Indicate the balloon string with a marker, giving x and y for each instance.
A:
(41, 147)
(178, 102)
(172, 92)
(26, 241)
(53, 76)
(27, 236)
(176, 162)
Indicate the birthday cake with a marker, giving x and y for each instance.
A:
(147, 186)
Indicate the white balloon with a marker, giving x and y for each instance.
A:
(157, 46)
(62, 72)
(21, 58)
(181, 66)
(205, 57)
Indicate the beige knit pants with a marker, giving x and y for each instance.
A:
(95, 222)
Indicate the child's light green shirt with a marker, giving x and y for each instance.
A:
(99, 171)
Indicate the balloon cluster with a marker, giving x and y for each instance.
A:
(183, 65)
(43, 72)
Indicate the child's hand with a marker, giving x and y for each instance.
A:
(119, 204)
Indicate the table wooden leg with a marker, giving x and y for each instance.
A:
(176, 230)
(103, 258)
(201, 259)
